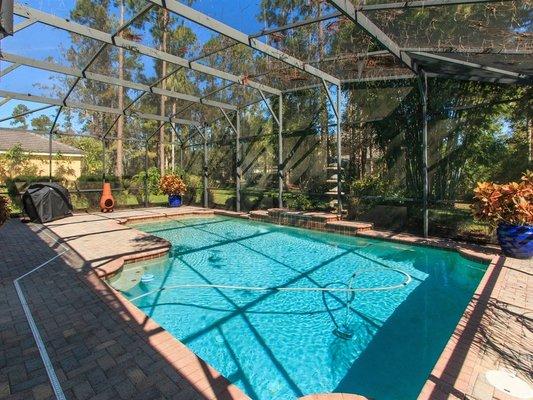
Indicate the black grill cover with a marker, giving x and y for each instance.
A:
(44, 202)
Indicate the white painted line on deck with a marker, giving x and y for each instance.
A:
(54, 381)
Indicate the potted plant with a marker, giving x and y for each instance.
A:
(5, 209)
(174, 187)
(510, 207)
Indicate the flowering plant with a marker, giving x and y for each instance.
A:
(172, 185)
(511, 203)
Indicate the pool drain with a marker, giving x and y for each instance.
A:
(274, 387)
(509, 383)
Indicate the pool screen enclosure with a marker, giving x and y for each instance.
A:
(284, 103)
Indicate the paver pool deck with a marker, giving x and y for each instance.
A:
(103, 347)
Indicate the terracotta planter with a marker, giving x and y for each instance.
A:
(516, 240)
(107, 202)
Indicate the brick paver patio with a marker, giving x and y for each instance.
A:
(102, 347)
(98, 352)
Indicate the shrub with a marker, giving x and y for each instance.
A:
(16, 161)
(297, 201)
(5, 209)
(20, 183)
(172, 185)
(137, 182)
(511, 203)
(194, 186)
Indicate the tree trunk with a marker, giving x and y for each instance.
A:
(371, 156)
(163, 98)
(119, 167)
(363, 160)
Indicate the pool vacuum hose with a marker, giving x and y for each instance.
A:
(343, 331)
(349, 289)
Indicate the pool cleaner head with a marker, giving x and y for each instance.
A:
(343, 331)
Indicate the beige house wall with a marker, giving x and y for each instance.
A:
(65, 162)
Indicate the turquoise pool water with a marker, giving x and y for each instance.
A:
(280, 344)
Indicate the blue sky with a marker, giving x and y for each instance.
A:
(41, 42)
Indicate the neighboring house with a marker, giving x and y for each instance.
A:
(66, 159)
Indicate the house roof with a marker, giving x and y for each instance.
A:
(32, 142)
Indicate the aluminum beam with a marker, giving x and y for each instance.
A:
(297, 24)
(92, 107)
(469, 64)
(217, 26)
(80, 135)
(24, 24)
(339, 152)
(333, 104)
(94, 57)
(145, 178)
(237, 130)
(9, 69)
(465, 77)
(4, 101)
(419, 3)
(454, 50)
(370, 7)
(470, 50)
(139, 97)
(50, 141)
(238, 161)
(204, 97)
(280, 152)
(206, 167)
(355, 15)
(251, 103)
(57, 22)
(233, 128)
(423, 83)
(376, 7)
(380, 79)
(26, 113)
(270, 110)
(56, 68)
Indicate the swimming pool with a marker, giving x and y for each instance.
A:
(277, 344)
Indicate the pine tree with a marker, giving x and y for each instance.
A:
(19, 120)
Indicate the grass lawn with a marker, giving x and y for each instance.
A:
(220, 196)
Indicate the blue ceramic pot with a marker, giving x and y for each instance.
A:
(174, 200)
(516, 240)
